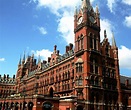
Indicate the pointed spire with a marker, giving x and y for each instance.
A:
(76, 11)
(105, 35)
(39, 59)
(20, 61)
(85, 3)
(23, 61)
(32, 56)
(97, 9)
(113, 40)
(24, 56)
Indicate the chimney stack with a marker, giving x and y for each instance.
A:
(49, 59)
(70, 46)
(44, 62)
(55, 48)
(58, 52)
(67, 49)
(127, 82)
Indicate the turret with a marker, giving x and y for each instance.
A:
(97, 16)
(105, 35)
(113, 41)
(75, 17)
(115, 52)
(19, 63)
(23, 61)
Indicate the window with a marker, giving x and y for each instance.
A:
(79, 67)
(80, 42)
(93, 66)
(91, 40)
(79, 81)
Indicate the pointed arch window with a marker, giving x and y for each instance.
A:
(80, 42)
(91, 40)
(79, 66)
(93, 66)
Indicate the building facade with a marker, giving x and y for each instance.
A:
(86, 77)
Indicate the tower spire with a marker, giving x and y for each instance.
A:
(20, 61)
(85, 3)
(105, 35)
(76, 11)
(39, 59)
(97, 9)
(113, 40)
(23, 61)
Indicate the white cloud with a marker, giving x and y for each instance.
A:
(42, 30)
(44, 53)
(125, 57)
(65, 27)
(106, 25)
(128, 2)
(2, 59)
(127, 21)
(111, 4)
(64, 9)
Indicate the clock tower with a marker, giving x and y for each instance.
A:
(87, 27)
(87, 45)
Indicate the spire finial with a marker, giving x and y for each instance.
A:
(105, 35)
(85, 3)
(113, 40)
(39, 59)
(20, 60)
(76, 12)
(23, 61)
(97, 9)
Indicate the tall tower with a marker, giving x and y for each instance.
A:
(87, 47)
(87, 28)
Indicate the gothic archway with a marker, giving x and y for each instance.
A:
(16, 106)
(30, 105)
(51, 92)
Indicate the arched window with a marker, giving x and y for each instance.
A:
(91, 40)
(79, 66)
(93, 66)
(95, 45)
(80, 42)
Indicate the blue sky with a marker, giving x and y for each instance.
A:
(35, 26)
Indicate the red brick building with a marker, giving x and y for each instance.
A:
(86, 77)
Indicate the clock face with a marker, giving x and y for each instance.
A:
(80, 20)
(92, 19)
